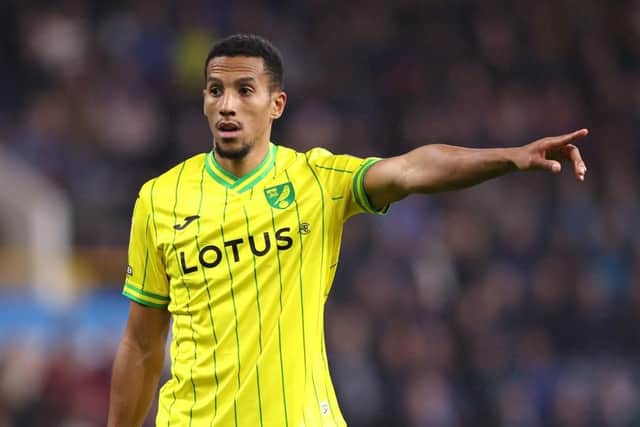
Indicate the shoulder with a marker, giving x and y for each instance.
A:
(185, 169)
(325, 160)
(318, 154)
(189, 168)
(316, 159)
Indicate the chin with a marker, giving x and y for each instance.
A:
(232, 149)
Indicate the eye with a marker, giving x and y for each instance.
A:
(245, 90)
(215, 91)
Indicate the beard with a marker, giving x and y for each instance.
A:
(237, 154)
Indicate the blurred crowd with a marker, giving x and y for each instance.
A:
(512, 304)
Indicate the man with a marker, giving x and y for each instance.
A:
(239, 247)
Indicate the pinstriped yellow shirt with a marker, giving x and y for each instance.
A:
(244, 265)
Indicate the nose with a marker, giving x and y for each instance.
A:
(227, 107)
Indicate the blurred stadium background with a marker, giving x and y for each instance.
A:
(513, 304)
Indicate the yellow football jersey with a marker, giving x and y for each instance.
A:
(245, 265)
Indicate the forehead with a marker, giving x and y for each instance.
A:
(235, 67)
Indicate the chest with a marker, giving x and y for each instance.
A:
(222, 229)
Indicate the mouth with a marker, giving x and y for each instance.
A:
(228, 129)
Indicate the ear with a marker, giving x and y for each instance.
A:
(278, 102)
(204, 101)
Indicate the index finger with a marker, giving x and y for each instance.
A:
(557, 141)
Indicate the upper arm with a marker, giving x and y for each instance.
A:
(146, 284)
(147, 328)
(385, 181)
(342, 177)
(146, 281)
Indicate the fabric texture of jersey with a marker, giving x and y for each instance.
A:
(244, 265)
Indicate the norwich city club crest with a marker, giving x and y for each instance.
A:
(280, 196)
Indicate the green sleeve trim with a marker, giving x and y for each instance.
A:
(359, 192)
(140, 291)
(143, 302)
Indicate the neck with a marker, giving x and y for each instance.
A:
(241, 167)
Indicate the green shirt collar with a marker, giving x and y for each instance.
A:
(232, 182)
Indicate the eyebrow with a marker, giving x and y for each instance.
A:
(240, 81)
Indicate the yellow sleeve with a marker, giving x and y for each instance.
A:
(146, 281)
(343, 178)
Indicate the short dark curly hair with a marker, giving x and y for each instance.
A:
(251, 45)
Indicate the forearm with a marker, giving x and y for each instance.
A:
(133, 384)
(438, 167)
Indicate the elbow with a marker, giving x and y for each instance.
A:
(417, 181)
(420, 171)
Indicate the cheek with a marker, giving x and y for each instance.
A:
(260, 114)
(209, 107)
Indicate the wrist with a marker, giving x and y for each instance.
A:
(512, 159)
